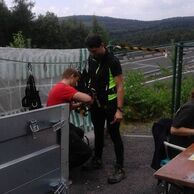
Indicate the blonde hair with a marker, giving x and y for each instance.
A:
(69, 72)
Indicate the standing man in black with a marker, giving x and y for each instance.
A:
(106, 80)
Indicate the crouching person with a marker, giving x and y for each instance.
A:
(64, 92)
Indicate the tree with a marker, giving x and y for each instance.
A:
(98, 29)
(46, 31)
(18, 40)
(4, 23)
(22, 16)
(74, 33)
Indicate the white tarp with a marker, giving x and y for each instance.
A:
(47, 66)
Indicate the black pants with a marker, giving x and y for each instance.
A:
(98, 116)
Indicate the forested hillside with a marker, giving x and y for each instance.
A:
(145, 32)
(20, 27)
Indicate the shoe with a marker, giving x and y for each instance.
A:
(117, 176)
(93, 164)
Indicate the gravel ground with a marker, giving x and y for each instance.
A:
(138, 156)
(139, 148)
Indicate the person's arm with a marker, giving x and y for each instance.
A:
(182, 131)
(75, 105)
(120, 96)
(120, 90)
(82, 97)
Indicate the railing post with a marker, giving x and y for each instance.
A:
(110, 46)
(179, 76)
(80, 60)
(174, 60)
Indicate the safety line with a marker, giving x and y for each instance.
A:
(48, 63)
(146, 136)
(139, 48)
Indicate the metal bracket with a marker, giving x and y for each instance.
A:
(34, 126)
(37, 126)
(58, 188)
(58, 125)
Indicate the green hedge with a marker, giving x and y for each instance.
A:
(145, 102)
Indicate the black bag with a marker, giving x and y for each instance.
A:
(77, 130)
(31, 99)
(79, 151)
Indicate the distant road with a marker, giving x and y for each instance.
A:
(151, 63)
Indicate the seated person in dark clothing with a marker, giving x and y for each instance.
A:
(64, 91)
(182, 129)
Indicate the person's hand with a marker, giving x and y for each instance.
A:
(118, 117)
(92, 101)
(75, 105)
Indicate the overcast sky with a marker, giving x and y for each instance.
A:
(126, 9)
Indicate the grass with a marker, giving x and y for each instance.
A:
(137, 127)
